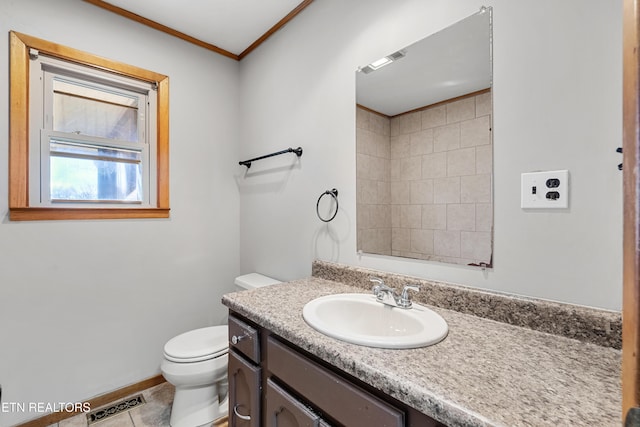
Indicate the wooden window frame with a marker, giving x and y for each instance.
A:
(19, 209)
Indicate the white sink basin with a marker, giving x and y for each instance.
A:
(360, 319)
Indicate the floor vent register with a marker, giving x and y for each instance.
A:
(115, 409)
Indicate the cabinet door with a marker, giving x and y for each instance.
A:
(284, 410)
(244, 392)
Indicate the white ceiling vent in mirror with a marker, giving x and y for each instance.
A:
(452, 62)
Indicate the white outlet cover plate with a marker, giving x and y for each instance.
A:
(538, 192)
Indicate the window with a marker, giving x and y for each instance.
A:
(88, 138)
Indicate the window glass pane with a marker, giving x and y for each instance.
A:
(92, 173)
(95, 112)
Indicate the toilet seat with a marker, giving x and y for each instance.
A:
(198, 345)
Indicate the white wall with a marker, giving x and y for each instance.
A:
(86, 306)
(557, 105)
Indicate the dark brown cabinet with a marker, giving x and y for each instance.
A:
(278, 385)
(244, 392)
(345, 402)
(284, 410)
(245, 375)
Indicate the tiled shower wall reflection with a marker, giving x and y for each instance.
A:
(424, 182)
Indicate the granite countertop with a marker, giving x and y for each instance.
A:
(485, 373)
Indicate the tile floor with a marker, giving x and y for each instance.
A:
(154, 413)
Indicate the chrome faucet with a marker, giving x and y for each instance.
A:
(387, 295)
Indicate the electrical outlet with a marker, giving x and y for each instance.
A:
(544, 190)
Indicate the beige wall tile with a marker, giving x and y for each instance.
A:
(395, 216)
(384, 240)
(382, 146)
(410, 168)
(363, 216)
(461, 162)
(362, 166)
(381, 216)
(362, 118)
(421, 203)
(422, 192)
(434, 165)
(446, 138)
(435, 116)
(400, 193)
(411, 122)
(475, 189)
(434, 217)
(400, 239)
(446, 190)
(364, 142)
(422, 241)
(379, 168)
(368, 214)
(400, 146)
(394, 169)
(446, 243)
(475, 245)
(461, 217)
(475, 132)
(387, 170)
(379, 124)
(463, 109)
(367, 239)
(484, 217)
(483, 104)
(414, 255)
(411, 216)
(421, 142)
(484, 159)
(394, 126)
(384, 192)
(459, 261)
(367, 191)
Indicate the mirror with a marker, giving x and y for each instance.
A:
(424, 148)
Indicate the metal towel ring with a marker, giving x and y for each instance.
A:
(333, 193)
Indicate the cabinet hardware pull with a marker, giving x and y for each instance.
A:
(236, 339)
(242, 417)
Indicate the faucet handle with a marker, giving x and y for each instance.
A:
(377, 280)
(380, 288)
(380, 284)
(405, 298)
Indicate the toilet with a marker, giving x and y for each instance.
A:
(195, 362)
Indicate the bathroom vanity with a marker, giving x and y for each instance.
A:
(273, 382)
(485, 373)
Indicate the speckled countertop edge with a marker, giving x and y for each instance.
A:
(485, 373)
(601, 327)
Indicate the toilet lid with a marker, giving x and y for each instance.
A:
(198, 345)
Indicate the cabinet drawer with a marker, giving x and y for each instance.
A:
(244, 338)
(347, 403)
(284, 410)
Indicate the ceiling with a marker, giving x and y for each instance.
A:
(232, 26)
(453, 62)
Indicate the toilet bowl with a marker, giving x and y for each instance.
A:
(196, 361)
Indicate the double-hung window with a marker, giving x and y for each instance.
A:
(90, 137)
(95, 143)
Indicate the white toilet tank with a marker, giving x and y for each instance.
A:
(253, 281)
